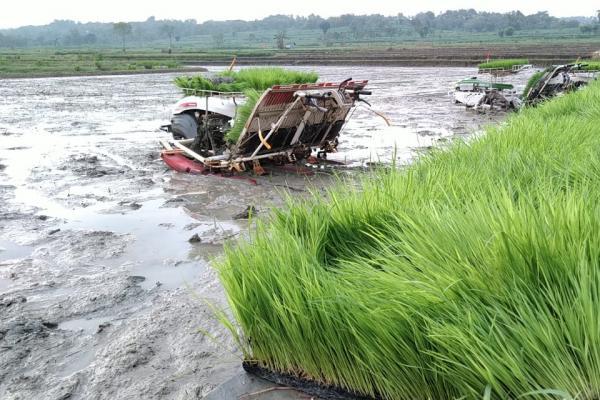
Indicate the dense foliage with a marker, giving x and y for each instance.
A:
(356, 27)
(474, 273)
(251, 81)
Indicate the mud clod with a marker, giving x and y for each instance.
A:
(136, 279)
(249, 211)
(192, 226)
(195, 238)
(50, 325)
(90, 159)
(10, 301)
(23, 330)
(134, 205)
(103, 326)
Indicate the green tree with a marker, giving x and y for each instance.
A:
(218, 39)
(509, 31)
(122, 29)
(73, 38)
(169, 31)
(325, 26)
(280, 39)
(423, 23)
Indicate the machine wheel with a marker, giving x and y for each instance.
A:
(184, 126)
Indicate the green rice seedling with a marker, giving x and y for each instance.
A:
(252, 82)
(590, 65)
(503, 64)
(243, 113)
(172, 64)
(473, 273)
(535, 78)
(259, 79)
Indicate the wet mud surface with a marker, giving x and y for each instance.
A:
(102, 293)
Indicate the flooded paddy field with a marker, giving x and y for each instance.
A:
(102, 295)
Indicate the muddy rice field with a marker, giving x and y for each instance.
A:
(547, 52)
(102, 295)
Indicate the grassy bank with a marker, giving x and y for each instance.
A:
(503, 64)
(85, 61)
(44, 63)
(474, 271)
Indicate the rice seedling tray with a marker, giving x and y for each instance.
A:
(308, 386)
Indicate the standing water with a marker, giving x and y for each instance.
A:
(101, 293)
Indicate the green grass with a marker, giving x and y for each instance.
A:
(243, 113)
(251, 81)
(503, 64)
(46, 63)
(477, 267)
(535, 78)
(591, 65)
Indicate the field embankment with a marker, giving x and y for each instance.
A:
(473, 273)
(39, 63)
(411, 55)
(43, 63)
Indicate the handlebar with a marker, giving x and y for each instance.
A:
(344, 83)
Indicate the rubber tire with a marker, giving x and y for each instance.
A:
(184, 126)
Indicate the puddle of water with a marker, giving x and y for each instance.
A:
(52, 294)
(161, 251)
(85, 357)
(169, 277)
(374, 145)
(11, 251)
(78, 362)
(4, 284)
(89, 326)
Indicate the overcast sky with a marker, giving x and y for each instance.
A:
(24, 12)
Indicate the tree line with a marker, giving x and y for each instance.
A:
(71, 33)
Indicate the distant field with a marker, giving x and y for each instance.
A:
(446, 51)
(47, 63)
